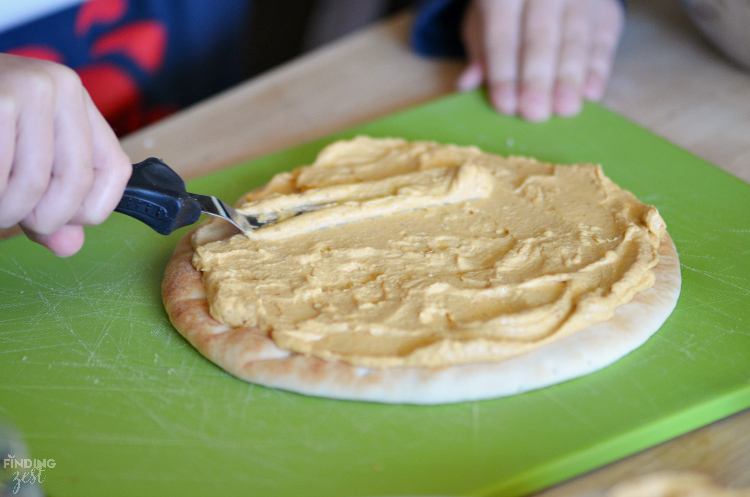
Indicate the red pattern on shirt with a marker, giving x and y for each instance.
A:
(143, 42)
(113, 89)
(99, 12)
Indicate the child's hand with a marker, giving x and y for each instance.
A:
(540, 57)
(61, 165)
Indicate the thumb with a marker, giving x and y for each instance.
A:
(64, 242)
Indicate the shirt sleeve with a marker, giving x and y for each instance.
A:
(437, 28)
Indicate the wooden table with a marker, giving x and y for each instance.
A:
(666, 78)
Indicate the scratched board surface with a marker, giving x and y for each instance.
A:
(94, 376)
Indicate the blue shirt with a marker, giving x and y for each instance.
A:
(141, 59)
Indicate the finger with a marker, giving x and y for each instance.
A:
(541, 43)
(572, 67)
(609, 18)
(8, 120)
(32, 162)
(64, 242)
(472, 33)
(111, 167)
(502, 20)
(471, 78)
(71, 175)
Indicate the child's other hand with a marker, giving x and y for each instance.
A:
(61, 165)
(541, 57)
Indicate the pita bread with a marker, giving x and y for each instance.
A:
(251, 355)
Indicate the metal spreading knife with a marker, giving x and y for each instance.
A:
(156, 195)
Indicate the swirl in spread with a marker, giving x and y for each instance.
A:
(429, 255)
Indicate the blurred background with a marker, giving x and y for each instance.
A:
(279, 31)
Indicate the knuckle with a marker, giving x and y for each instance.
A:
(8, 109)
(539, 48)
(65, 77)
(42, 223)
(32, 180)
(576, 39)
(499, 38)
(541, 26)
(12, 214)
(119, 169)
(6, 220)
(601, 54)
(34, 186)
(40, 85)
(96, 217)
(37, 224)
(77, 181)
(124, 169)
(112, 178)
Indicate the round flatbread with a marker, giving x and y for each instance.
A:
(252, 355)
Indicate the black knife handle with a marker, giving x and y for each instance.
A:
(156, 195)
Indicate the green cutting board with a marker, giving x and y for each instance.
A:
(94, 376)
